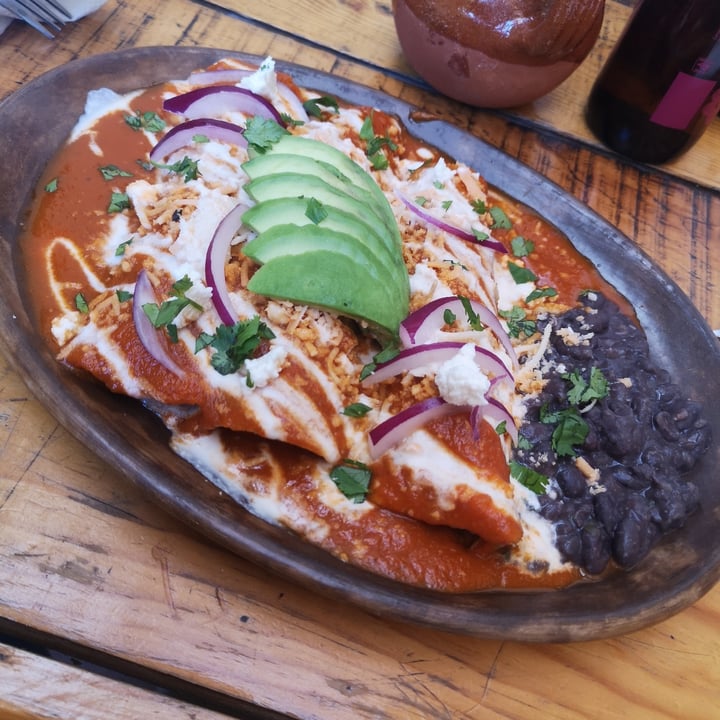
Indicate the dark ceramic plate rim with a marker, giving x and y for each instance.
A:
(38, 118)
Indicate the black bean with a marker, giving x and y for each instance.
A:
(640, 438)
(665, 424)
(595, 548)
(634, 535)
(571, 481)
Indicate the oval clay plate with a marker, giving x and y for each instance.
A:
(36, 121)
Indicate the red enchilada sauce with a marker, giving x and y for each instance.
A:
(413, 547)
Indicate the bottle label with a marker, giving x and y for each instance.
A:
(685, 97)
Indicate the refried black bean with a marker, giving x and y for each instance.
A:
(624, 486)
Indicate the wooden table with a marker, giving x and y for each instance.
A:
(93, 576)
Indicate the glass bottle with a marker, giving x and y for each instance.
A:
(660, 88)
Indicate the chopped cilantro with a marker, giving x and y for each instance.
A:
(186, 167)
(528, 477)
(480, 235)
(314, 106)
(356, 410)
(570, 429)
(112, 171)
(261, 133)
(521, 274)
(52, 186)
(583, 391)
(123, 295)
(517, 322)
(163, 315)
(446, 204)
(150, 121)
(122, 247)
(479, 206)
(387, 353)
(199, 138)
(421, 200)
(375, 144)
(523, 443)
(500, 220)
(352, 479)
(233, 344)
(541, 293)
(521, 247)
(472, 317)
(315, 211)
(81, 304)
(118, 202)
(449, 317)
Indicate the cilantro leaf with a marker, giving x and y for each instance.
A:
(479, 206)
(356, 410)
(500, 219)
(112, 171)
(233, 344)
(517, 322)
(163, 315)
(352, 479)
(315, 211)
(122, 247)
(541, 293)
(118, 202)
(150, 121)
(521, 274)
(186, 167)
(472, 317)
(583, 392)
(52, 185)
(528, 477)
(314, 106)
(81, 304)
(262, 133)
(521, 247)
(570, 429)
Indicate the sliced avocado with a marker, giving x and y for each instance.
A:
(294, 185)
(298, 145)
(274, 163)
(298, 239)
(265, 215)
(328, 280)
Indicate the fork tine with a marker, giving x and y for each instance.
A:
(60, 9)
(46, 11)
(22, 12)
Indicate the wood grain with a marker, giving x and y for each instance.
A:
(39, 687)
(84, 556)
(373, 41)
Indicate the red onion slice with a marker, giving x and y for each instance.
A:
(151, 337)
(421, 325)
(233, 76)
(215, 260)
(419, 355)
(220, 99)
(395, 429)
(184, 134)
(495, 413)
(448, 228)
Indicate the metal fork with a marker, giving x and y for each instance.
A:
(45, 16)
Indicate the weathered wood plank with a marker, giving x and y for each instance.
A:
(371, 38)
(85, 556)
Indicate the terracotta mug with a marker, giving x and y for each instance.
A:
(496, 53)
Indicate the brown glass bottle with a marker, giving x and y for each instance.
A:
(660, 89)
